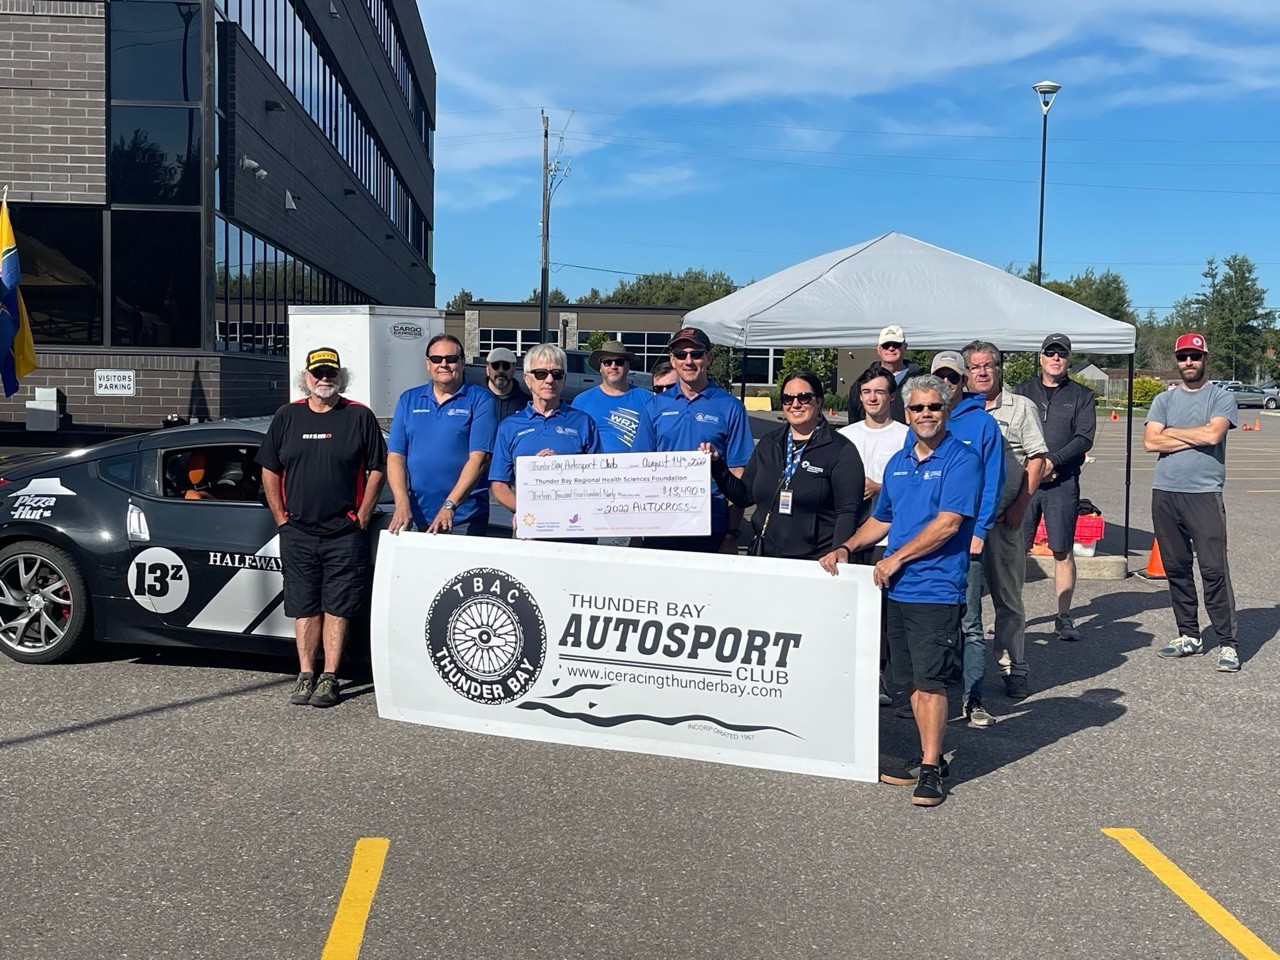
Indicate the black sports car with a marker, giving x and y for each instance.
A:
(159, 538)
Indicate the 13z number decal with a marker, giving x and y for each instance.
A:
(158, 580)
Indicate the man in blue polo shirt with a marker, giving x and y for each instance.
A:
(615, 405)
(695, 412)
(930, 496)
(441, 437)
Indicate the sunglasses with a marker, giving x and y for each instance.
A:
(662, 389)
(891, 345)
(541, 374)
(689, 354)
(949, 375)
(1195, 355)
(324, 373)
(1056, 353)
(804, 399)
(444, 357)
(499, 365)
(922, 407)
(613, 361)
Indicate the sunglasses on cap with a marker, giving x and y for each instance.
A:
(689, 354)
(946, 373)
(891, 345)
(804, 399)
(444, 357)
(922, 407)
(541, 374)
(614, 361)
(324, 373)
(501, 365)
(1055, 352)
(1186, 355)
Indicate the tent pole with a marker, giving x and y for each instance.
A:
(1128, 463)
(742, 374)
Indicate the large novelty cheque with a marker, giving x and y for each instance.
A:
(613, 494)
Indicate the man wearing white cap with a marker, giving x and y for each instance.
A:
(500, 375)
(891, 350)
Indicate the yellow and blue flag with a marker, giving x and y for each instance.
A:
(17, 351)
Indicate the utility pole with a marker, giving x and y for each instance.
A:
(546, 230)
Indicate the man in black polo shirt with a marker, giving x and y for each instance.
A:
(323, 460)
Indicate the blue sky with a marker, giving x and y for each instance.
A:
(748, 136)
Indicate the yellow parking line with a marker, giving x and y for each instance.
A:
(1210, 911)
(347, 932)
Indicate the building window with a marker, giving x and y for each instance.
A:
(155, 279)
(155, 155)
(60, 250)
(155, 51)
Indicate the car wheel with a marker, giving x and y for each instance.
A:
(1271, 403)
(44, 604)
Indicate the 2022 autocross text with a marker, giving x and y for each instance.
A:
(159, 538)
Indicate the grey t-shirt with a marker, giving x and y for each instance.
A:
(1200, 469)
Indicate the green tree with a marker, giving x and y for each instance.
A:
(554, 295)
(823, 362)
(693, 288)
(1230, 310)
(595, 341)
(1019, 368)
(460, 300)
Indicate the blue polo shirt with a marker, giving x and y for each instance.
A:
(672, 421)
(435, 439)
(617, 417)
(914, 492)
(564, 430)
(970, 423)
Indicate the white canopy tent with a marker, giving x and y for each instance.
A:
(942, 299)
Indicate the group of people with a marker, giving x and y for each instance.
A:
(940, 481)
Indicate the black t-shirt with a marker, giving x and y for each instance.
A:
(513, 402)
(323, 458)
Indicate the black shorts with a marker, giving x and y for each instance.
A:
(1060, 506)
(924, 643)
(324, 574)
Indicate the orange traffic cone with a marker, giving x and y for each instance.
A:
(1155, 567)
(1114, 415)
(1257, 423)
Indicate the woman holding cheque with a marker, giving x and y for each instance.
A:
(544, 428)
(805, 480)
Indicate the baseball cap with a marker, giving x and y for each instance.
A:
(1191, 341)
(501, 355)
(322, 357)
(610, 348)
(947, 360)
(693, 335)
(1056, 340)
(891, 334)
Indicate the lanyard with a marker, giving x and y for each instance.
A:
(794, 454)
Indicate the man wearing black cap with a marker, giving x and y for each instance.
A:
(696, 411)
(322, 463)
(1068, 419)
(614, 405)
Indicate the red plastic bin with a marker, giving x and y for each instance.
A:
(1088, 530)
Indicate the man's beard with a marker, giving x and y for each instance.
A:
(927, 431)
(325, 390)
(1193, 374)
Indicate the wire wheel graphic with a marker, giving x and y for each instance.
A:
(484, 637)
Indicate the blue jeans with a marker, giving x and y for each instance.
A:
(972, 637)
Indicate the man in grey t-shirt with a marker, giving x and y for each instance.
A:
(1187, 427)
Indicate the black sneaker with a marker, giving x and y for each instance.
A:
(928, 791)
(326, 693)
(976, 713)
(909, 773)
(303, 689)
(1015, 687)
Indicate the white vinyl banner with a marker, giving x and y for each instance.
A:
(614, 495)
(744, 660)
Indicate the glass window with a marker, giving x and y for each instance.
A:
(60, 252)
(156, 155)
(155, 51)
(155, 279)
(120, 471)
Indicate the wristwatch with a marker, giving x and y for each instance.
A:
(449, 505)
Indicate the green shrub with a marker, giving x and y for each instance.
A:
(1146, 389)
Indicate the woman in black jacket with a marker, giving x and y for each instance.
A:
(805, 480)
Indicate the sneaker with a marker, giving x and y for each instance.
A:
(928, 791)
(1184, 646)
(976, 714)
(326, 693)
(303, 689)
(1065, 627)
(1015, 687)
(885, 699)
(904, 711)
(909, 773)
(1228, 659)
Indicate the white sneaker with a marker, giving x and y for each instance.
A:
(1182, 647)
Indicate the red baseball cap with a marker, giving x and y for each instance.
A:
(1190, 341)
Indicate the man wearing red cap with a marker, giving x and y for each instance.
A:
(1187, 427)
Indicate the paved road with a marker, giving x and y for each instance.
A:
(173, 804)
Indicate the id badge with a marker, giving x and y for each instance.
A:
(784, 503)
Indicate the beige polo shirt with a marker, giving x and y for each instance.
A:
(1023, 438)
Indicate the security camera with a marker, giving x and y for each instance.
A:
(247, 164)
(260, 174)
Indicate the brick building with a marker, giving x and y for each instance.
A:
(179, 173)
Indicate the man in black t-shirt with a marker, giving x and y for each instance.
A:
(323, 461)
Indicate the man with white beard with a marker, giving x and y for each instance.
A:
(322, 459)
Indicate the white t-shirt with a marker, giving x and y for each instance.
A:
(876, 446)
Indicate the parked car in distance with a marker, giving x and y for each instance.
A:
(1250, 395)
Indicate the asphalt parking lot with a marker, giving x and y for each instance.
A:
(172, 803)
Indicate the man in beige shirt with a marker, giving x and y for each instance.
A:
(1004, 558)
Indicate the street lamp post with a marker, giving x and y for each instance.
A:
(1047, 90)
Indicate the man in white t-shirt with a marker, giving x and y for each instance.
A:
(878, 437)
